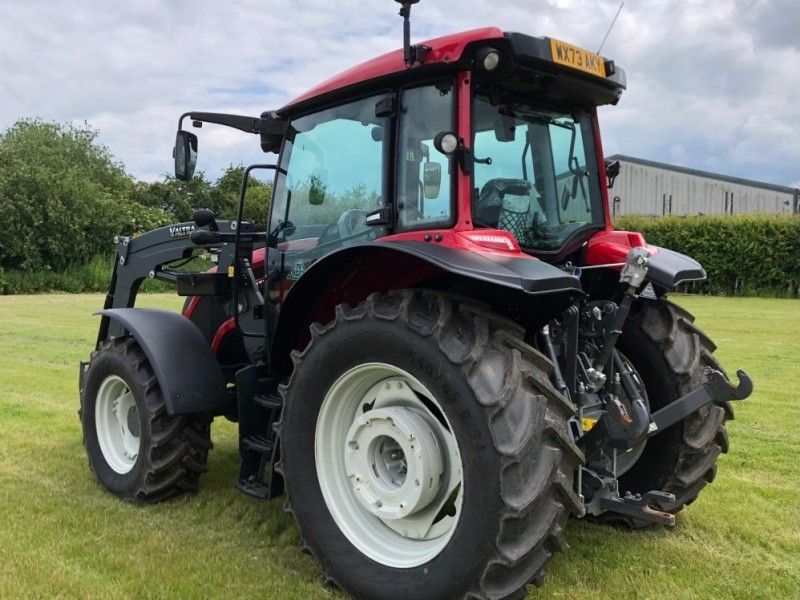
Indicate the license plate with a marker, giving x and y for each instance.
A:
(577, 58)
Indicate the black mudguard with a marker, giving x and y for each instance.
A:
(186, 368)
(521, 273)
(669, 269)
(503, 281)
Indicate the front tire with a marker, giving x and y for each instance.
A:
(465, 368)
(137, 451)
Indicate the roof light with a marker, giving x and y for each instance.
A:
(488, 58)
(496, 239)
(491, 60)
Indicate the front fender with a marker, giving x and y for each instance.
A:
(669, 269)
(186, 368)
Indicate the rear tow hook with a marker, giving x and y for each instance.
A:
(620, 428)
(715, 389)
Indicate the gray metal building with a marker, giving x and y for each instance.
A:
(646, 187)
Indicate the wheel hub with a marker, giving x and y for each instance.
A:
(394, 461)
(388, 465)
(117, 424)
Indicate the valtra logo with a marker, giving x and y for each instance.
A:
(181, 231)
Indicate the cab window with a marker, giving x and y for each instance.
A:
(333, 162)
(424, 175)
(535, 172)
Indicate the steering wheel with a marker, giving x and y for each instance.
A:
(351, 222)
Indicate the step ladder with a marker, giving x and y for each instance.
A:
(260, 407)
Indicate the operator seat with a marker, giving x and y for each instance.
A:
(506, 204)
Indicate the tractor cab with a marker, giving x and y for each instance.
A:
(483, 131)
(487, 132)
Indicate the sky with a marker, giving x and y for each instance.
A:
(712, 84)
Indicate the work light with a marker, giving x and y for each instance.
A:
(488, 58)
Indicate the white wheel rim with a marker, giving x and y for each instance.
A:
(117, 423)
(377, 444)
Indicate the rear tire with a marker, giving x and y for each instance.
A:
(509, 423)
(137, 451)
(670, 353)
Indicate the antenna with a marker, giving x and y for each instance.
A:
(610, 27)
(411, 54)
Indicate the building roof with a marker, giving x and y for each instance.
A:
(708, 174)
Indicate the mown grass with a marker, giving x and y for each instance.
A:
(61, 535)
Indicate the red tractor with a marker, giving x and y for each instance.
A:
(438, 349)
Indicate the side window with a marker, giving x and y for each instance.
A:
(570, 170)
(424, 175)
(334, 176)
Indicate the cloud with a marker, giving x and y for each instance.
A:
(710, 85)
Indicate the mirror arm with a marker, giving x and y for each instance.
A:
(466, 160)
(240, 122)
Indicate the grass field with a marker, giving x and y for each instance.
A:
(62, 535)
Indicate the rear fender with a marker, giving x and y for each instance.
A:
(513, 284)
(666, 268)
(186, 368)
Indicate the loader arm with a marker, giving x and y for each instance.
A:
(142, 257)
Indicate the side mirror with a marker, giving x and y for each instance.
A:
(504, 126)
(185, 154)
(612, 171)
(431, 179)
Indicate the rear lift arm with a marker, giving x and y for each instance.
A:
(714, 389)
(624, 426)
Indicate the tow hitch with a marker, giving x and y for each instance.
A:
(715, 388)
(623, 428)
(618, 428)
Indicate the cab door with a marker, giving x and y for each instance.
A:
(332, 176)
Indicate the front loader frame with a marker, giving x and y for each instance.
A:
(149, 255)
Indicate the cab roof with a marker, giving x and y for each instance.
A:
(450, 53)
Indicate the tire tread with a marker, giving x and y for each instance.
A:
(179, 445)
(686, 350)
(537, 465)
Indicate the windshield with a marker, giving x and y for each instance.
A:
(535, 172)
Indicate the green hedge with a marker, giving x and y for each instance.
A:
(92, 276)
(743, 255)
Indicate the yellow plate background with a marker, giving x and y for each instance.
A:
(577, 58)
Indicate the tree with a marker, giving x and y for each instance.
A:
(178, 198)
(226, 190)
(174, 197)
(63, 196)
